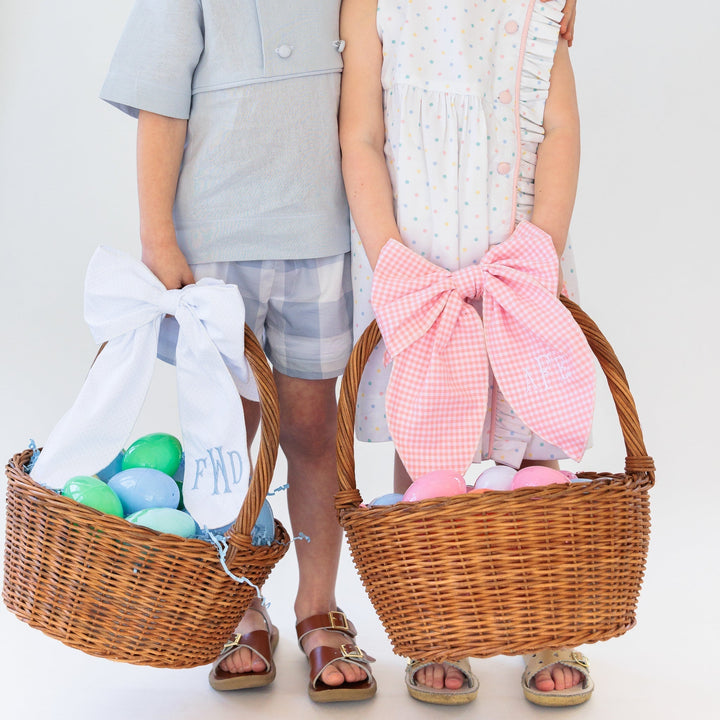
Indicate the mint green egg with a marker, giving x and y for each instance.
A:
(93, 492)
(165, 520)
(159, 451)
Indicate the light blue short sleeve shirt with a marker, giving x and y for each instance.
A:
(259, 82)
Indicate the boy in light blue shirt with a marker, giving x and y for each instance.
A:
(239, 179)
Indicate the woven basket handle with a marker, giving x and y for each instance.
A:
(637, 461)
(264, 467)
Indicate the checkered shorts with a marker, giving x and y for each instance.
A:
(300, 310)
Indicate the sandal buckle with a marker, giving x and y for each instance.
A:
(580, 659)
(231, 643)
(352, 651)
(338, 621)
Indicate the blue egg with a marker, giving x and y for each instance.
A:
(140, 488)
(264, 531)
(113, 468)
(389, 499)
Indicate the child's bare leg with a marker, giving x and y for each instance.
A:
(434, 676)
(308, 426)
(308, 421)
(555, 677)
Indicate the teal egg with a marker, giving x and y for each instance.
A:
(141, 487)
(113, 468)
(93, 492)
(159, 451)
(165, 520)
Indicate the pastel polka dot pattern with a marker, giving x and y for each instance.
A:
(464, 90)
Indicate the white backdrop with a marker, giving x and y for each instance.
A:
(647, 254)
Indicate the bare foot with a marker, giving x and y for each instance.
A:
(557, 677)
(440, 676)
(244, 660)
(339, 672)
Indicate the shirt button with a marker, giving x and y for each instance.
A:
(511, 27)
(284, 51)
(505, 97)
(504, 168)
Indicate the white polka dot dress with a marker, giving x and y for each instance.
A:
(464, 90)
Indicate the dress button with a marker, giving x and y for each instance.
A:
(284, 51)
(505, 97)
(511, 27)
(504, 168)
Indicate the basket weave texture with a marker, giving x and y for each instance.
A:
(124, 592)
(503, 573)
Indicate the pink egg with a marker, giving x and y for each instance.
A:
(497, 477)
(569, 475)
(536, 476)
(439, 483)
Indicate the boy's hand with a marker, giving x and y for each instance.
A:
(168, 264)
(567, 26)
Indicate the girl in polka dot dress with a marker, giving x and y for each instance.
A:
(458, 120)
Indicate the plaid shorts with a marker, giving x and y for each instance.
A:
(300, 310)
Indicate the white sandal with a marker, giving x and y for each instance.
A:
(542, 659)
(442, 696)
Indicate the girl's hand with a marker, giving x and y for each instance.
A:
(168, 264)
(567, 26)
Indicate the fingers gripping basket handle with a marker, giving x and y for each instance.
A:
(637, 461)
(262, 473)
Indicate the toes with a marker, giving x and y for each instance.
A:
(544, 682)
(454, 679)
(243, 660)
(342, 672)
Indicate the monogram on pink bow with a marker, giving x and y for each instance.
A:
(442, 350)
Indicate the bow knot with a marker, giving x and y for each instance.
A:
(442, 351)
(168, 301)
(469, 282)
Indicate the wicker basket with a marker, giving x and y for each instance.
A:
(124, 592)
(503, 573)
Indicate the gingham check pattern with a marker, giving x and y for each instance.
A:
(442, 351)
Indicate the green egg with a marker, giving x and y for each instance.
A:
(93, 492)
(165, 520)
(158, 450)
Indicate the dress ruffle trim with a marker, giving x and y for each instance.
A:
(541, 41)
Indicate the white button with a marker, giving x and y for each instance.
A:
(339, 45)
(284, 51)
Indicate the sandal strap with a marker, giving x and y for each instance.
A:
(334, 621)
(542, 659)
(322, 656)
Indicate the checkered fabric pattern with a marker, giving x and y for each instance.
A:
(442, 351)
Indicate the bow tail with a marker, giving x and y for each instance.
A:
(94, 430)
(547, 373)
(217, 465)
(436, 409)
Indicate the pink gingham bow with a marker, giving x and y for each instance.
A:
(442, 351)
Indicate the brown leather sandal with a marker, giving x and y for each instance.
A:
(322, 656)
(262, 643)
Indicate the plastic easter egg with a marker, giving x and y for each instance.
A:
(264, 531)
(536, 476)
(165, 520)
(139, 488)
(497, 477)
(93, 492)
(389, 499)
(159, 451)
(439, 483)
(178, 477)
(113, 468)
